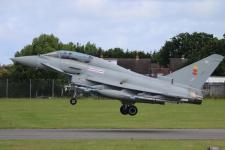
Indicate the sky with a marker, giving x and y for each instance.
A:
(128, 24)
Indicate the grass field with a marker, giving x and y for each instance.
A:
(89, 113)
(110, 144)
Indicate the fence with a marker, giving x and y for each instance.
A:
(214, 90)
(32, 88)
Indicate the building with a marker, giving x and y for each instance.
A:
(157, 70)
(177, 63)
(146, 67)
(214, 87)
(142, 66)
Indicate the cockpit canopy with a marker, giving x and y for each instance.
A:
(70, 55)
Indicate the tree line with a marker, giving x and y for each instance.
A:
(193, 46)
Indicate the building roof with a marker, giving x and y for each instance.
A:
(215, 80)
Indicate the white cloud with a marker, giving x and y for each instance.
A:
(207, 7)
(136, 24)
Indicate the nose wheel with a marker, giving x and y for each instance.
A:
(73, 101)
(128, 109)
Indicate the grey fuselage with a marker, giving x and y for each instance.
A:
(102, 72)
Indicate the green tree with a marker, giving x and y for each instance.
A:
(40, 45)
(114, 53)
(69, 46)
(91, 49)
(4, 73)
(193, 46)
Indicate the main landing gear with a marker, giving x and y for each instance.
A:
(73, 100)
(128, 109)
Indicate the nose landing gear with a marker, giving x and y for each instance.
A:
(73, 100)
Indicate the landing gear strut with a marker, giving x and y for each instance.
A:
(128, 109)
(73, 100)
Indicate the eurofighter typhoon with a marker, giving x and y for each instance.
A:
(98, 76)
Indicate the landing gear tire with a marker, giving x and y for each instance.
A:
(132, 110)
(73, 101)
(124, 109)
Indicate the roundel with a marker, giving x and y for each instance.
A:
(195, 70)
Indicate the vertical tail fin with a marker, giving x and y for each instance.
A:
(196, 74)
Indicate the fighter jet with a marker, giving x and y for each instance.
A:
(98, 76)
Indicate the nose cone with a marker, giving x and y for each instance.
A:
(15, 60)
(25, 60)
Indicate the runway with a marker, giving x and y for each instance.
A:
(112, 134)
